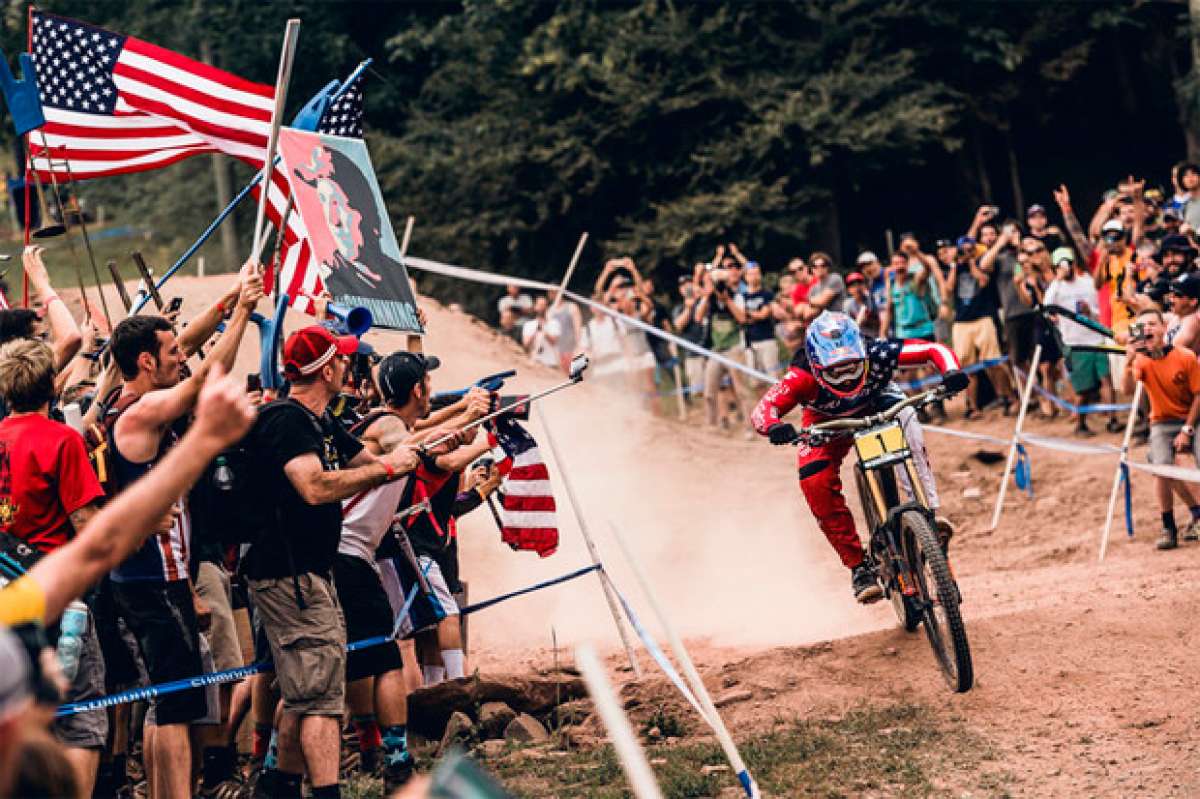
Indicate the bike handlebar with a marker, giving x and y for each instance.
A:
(833, 427)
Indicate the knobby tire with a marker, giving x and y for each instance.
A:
(952, 651)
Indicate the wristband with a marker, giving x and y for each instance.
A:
(1189, 430)
(221, 308)
(390, 476)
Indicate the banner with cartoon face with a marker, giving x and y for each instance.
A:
(338, 199)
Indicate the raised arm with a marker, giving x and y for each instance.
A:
(202, 326)
(65, 338)
(927, 353)
(1082, 243)
(982, 215)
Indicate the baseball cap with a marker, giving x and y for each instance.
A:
(310, 348)
(866, 257)
(400, 371)
(964, 241)
(1036, 208)
(855, 277)
(1187, 285)
(1175, 242)
(1113, 225)
(1062, 254)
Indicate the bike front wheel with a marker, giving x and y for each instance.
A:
(939, 599)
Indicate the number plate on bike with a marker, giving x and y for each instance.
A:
(882, 446)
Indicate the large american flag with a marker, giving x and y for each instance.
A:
(528, 518)
(115, 104)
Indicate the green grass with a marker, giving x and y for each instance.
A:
(898, 750)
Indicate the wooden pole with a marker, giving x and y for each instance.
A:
(413, 342)
(577, 510)
(1116, 485)
(570, 271)
(1016, 437)
(633, 759)
(290, 35)
(689, 669)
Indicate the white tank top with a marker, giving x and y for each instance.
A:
(366, 517)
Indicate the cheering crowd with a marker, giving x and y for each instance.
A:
(133, 531)
(1132, 271)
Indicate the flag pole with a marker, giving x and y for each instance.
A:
(286, 57)
(413, 343)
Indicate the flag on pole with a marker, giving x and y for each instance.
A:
(528, 517)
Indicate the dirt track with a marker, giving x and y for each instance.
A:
(1085, 671)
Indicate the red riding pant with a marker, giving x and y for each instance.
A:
(821, 482)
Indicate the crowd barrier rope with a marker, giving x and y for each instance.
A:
(242, 672)
(1100, 407)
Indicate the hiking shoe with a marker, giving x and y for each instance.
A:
(1168, 540)
(1192, 531)
(945, 531)
(864, 585)
(397, 774)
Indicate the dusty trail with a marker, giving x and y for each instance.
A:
(1085, 671)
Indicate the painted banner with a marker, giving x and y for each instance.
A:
(337, 196)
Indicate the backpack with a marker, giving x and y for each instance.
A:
(98, 439)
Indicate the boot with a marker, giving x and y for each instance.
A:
(1168, 540)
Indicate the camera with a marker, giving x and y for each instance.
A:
(1137, 332)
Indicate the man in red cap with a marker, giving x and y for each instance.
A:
(307, 464)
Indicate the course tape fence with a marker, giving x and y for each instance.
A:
(242, 672)
(1101, 407)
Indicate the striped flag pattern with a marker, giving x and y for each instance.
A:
(528, 518)
(115, 104)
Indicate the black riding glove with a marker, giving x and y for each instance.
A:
(955, 381)
(781, 433)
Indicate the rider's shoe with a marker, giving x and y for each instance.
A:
(1168, 540)
(865, 586)
(945, 531)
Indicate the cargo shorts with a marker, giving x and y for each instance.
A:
(307, 645)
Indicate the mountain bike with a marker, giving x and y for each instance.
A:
(905, 553)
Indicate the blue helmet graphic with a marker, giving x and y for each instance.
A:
(837, 355)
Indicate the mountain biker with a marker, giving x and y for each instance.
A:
(839, 374)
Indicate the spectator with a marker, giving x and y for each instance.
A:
(1171, 376)
(974, 331)
(1038, 226)
(1184, 297)
(876, 282)
(55, 320)
(152, 589)
(1019, 318)
(1074, 290)
(911, 306)
(1032, 280)
(540, 335)
(860, 305)
(688, 327)
(827, 290)
(308, 463)
(516, 302)
(48, 493)
(719, 309)
(567, 316)
(1111, 275)
(762, 351)
(802, 275)
(1188, 200)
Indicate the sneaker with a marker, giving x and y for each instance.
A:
(397, 774)
(232, 788)
(1168, 540)
(864, 585)
(1192, 531)
(371, 762)
(945, 531)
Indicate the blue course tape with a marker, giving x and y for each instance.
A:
(1105, 407)
(916, 385)
(242, 672)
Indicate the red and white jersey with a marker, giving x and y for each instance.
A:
(366, 518)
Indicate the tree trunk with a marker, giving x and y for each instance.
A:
(1186, 89)
(1014, 174)
(833, 219)
(981, 175)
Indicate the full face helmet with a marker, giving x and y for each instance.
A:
(836, 353)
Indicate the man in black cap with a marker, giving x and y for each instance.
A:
(1041, 229)
(1184, 294)
(1176, 254)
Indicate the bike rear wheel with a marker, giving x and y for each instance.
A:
(939, 598)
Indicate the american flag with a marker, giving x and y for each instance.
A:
(115, 104)
(528, 514)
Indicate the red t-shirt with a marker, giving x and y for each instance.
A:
(800, 292)
(45, 476)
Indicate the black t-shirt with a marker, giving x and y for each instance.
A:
(763, 330)
(282, 432)
(693, 331)
(659, 345)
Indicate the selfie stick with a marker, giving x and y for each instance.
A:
(578, 364)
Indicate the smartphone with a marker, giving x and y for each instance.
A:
(253, 382)
(174, 305)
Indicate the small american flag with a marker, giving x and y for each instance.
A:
(528, 514)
